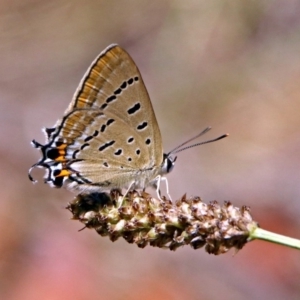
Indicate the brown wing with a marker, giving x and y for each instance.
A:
(114, 84)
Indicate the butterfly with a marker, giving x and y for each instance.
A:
(108, 138)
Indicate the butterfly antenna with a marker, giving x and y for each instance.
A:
(205, 142)
(191, 139)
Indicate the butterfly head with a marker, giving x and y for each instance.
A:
(168, 163)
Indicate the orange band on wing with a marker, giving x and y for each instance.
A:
(63, 172)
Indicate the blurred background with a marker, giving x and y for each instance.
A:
(233, 65)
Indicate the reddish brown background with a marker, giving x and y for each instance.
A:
(234, 65)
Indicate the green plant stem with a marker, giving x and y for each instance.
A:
(261, 234)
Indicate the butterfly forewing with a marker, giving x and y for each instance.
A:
(114, 84)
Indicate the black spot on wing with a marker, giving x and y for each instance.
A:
(75, 153)
(118, 91)
(130, 140)
(110, 121)
(88, 138)
(142, 126)
(103, 127)
(111, 98)
(106, 145)
(58, 181)
(118, 152)
(58, 143)
(52, 153)
(84, 146)
(103, 106)
(134, 108)
(124, 85)
(56, 172)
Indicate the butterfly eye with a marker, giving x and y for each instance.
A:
(168, 164)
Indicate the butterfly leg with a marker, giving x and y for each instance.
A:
(160, 178)
(157, 186)
(167, 186)
(130, 185)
